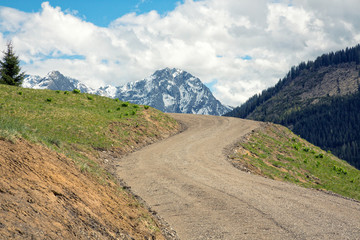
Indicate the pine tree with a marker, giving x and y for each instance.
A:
(10, 68)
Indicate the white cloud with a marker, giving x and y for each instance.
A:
(208, 38)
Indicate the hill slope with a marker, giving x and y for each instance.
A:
(275, 152)
(317, 100)
(52, 179)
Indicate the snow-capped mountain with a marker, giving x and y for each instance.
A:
(172, 90)
(55, 81)
(169, 90)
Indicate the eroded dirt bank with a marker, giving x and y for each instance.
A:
(43, 195)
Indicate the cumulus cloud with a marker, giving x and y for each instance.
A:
(243, 46)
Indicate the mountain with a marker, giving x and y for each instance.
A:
(319, 100)
(55, 81)
(169, 90)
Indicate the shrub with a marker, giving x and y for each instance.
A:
(146, 107)
(339, 170)
(118, 109)
(117, 100)
(125, 104)
(135, 106)
(20, 93)
(306, 149)
(76, 91)
(296, 147)
(90, 97)
(48, 99)
(320, 155)
(109, 111)
(57, 91)
(66, 92)
(133, 112)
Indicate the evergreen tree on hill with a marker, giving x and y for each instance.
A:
(10, 69)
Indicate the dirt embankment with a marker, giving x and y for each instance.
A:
(44, 195)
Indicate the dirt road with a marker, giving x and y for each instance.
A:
(188, 181)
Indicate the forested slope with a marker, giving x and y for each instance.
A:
(318, 100)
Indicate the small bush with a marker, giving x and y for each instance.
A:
(118, 109)
(339, 170)
(76, 91)
(320, 155)
(146, 107)
(306, 149)
(20, 93)
(109, 111)
(133, 112)
(125, 104)
(66, 92)
(135, 106)
(296, 147)
(117, 100)
(48, 99)
(90, 98)
(317, 164)
(57, 91)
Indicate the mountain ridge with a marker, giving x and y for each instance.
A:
(169, 90)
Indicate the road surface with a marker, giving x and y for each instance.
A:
(188, 181)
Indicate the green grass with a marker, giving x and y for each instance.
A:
(74, 123)
(277, 153)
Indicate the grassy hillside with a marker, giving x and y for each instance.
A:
(318, 100)
(277, 153)
(74, 128)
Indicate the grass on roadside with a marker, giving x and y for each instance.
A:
(275, 152)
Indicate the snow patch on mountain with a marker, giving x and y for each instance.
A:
(55, 81)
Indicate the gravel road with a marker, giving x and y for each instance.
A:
(188, 181)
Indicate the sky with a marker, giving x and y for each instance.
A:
(237, 48)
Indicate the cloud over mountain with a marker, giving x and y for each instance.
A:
(245, 46)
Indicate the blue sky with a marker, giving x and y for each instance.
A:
(99, 12)
(237, 47)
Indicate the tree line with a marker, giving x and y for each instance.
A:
(332, 125)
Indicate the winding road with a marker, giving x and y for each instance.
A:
(188, 181)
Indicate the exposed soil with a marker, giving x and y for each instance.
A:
(43, 195)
